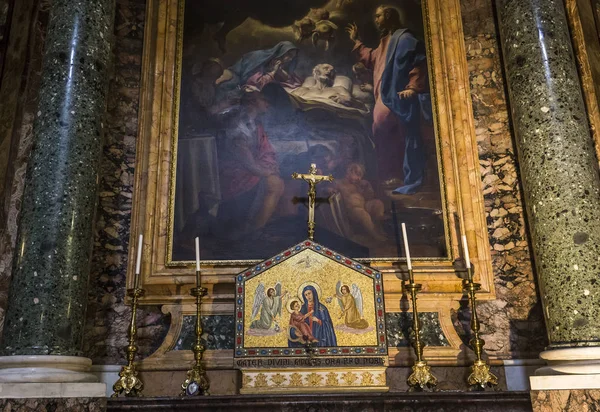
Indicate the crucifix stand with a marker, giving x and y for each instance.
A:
(313, 179)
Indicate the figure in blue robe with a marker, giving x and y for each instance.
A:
(320, 321)
(261, 67)
(404, 53)
(402, 111)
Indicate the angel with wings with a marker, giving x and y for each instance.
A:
(269, 305)
(351, 303)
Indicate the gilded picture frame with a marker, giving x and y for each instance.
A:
(387, 158)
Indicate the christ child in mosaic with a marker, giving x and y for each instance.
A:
(297, 320)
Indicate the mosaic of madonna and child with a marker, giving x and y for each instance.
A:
(269, 87)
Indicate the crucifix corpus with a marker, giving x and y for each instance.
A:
(312, 178)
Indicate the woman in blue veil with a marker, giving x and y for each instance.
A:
(319, 321)
(275, 65)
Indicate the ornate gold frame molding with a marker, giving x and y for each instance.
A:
(586, 44)
(169, 285)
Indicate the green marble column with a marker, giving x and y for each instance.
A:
(48, 293)
(558, 166)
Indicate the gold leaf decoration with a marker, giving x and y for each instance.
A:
(246, 381)
(314, 379)
(332, 379)
(367, 379)
(278, 379)
(349, 378)
(296, 379)
(261, 381)
(382, 379)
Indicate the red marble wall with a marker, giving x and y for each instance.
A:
(513, 324)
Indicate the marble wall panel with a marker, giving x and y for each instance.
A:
(566, 400)
(5, 19)
(53, 405)
(219, 331)
(512, 325)
(108, 316)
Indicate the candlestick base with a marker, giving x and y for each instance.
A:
(481, 375)
(480, 371)
(196, 383)
(128, 383)
(421, 376)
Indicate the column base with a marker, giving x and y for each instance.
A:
(45, 369)
(571, 361)
(569, 368)
(52, 390)
(571, 376)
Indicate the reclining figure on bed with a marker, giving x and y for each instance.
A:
(325, 87)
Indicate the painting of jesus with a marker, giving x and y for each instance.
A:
(265, 90)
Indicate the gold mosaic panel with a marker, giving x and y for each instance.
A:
(324, 275)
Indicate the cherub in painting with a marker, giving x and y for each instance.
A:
(363, 208)
(351, 303)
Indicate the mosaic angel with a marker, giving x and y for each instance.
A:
(351, 303)
(269, 305)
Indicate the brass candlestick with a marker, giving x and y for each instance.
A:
(480, 371)
(196, 383)
(421, 376)
(129, 384)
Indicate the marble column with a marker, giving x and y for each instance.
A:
(48, 292)
(559, 174)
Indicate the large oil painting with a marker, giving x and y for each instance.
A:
(265, 89)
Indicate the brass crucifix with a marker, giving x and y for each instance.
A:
(312, 178)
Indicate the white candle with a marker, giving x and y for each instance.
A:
(138, 262)
(197, 254)
(406, 246)
(466, 250)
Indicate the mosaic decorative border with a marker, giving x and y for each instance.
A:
(241, 278)
(313, 380)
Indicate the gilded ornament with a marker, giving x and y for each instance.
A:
(246, 380)
(367, 379)
(296, 380)
(314, 379)
(261, 381)
(481, 375)
(278, 379)
(332, 379)
(421, 376)
(349, 378)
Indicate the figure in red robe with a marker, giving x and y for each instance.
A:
(249, 171)
(402, 100)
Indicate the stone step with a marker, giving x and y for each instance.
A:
(393, 401)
